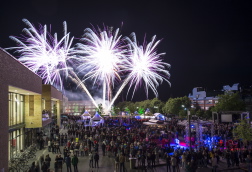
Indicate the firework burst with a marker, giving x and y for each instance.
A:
(145, 67)
(103, 55)
(43, 53)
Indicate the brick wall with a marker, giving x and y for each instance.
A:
(12, 73)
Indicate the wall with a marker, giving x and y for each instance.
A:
(12, 73)
(33, 120)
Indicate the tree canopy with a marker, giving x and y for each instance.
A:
(243, 131)
(177, 106)
(229, 102)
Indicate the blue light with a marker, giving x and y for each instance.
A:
(177, 141)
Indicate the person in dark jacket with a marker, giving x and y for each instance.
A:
(168, 163)
(68, 163)
(56, 166)
(44, 167)
(48, 161)
(96, 159)
(33, 167)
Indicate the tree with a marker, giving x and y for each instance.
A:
(243, 131)
(157, 105)
(122, 105)
(146, 104)
(177, 106)
(116, 110)
(131, 106)
(229, 102)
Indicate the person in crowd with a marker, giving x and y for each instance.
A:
(44, 167)
(56, 166)
(68, 163)
(48, 160)
(33, 167)
(60, 161)
(91, 160)
(42, 160)
(168, 163)
(214, 163)
(122, 160)
(75, 162)
(248, 163)
(117, 162)
(103, 148)
(96, 159)
(173, 163)
(143, 159)
(49, 145)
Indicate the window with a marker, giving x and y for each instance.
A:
(16, 142)
(16, 109)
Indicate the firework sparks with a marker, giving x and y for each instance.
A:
(145, 67)
(45, 57)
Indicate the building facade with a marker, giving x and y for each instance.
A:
(199, 98)
(23, 99)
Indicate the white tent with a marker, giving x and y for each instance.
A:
(96, 117)
(86, 113)
(159, 116)
(96, 120)
(156, 114)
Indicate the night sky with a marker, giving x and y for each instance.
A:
(208, 43)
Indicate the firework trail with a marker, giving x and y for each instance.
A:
(145, 67)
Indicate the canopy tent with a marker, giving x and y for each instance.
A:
(97, 117)
(159, 116)
(86, 113)
(96, 120)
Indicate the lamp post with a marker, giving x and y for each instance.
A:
(189, 121)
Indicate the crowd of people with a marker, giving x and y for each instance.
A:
(127, 139)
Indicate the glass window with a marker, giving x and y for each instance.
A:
(16, 109)
(16, 142)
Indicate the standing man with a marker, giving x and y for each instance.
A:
(96, 158)
(153, 160)
(168, 163)
(48, 161)
(75, 161)
(68, 163)
(60, 162)
(103, 148)
(122, 160)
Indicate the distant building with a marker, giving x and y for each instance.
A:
(78, 107)
(199, 98)
(206, 99)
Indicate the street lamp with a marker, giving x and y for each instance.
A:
(189, 121)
